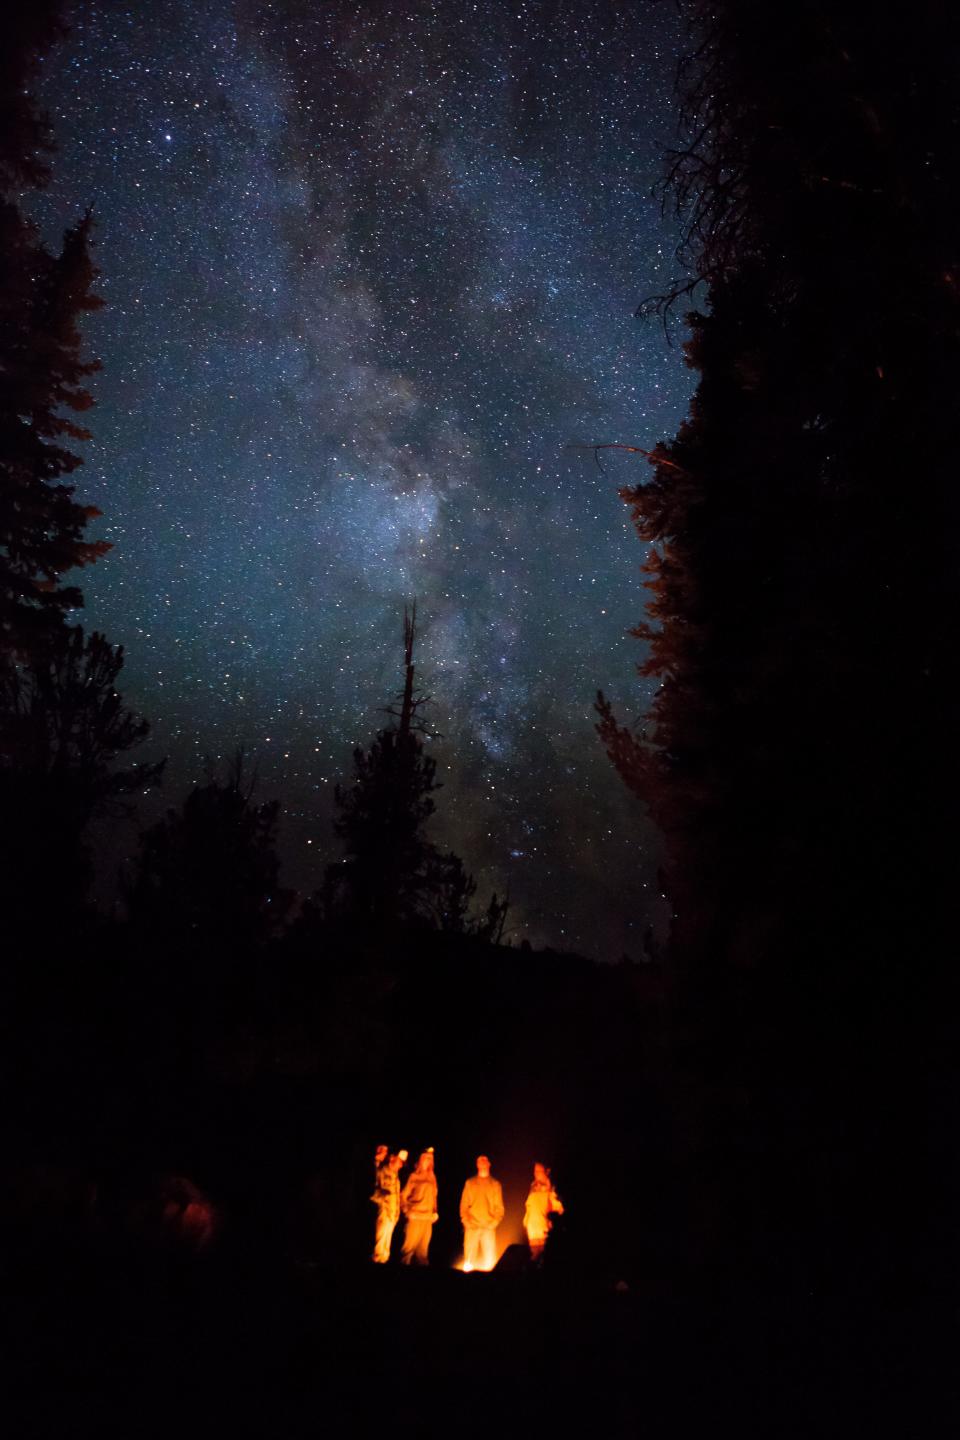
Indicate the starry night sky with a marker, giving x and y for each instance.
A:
(370, 270)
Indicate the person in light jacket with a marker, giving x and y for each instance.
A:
(542, 1202)
(386, 1197)
(418, 1201)
(481, 1210)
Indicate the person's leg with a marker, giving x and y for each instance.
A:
(416, 1238)
(488, 1249)
(385, 1228)
(423, 1243)
(471, 1247)
(536, 1238)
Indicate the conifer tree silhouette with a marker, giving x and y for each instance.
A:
(392, 875)
(43, 372)
(208, 873)
(803, 532)
(791, 582)
(63, 727)
(383, 877)
(62, 723)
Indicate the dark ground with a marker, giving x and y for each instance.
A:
(234, 1343)
(777, 1284)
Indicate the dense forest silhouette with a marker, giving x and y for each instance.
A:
(767, 1103)
(803, 579)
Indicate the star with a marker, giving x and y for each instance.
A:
(386, 274)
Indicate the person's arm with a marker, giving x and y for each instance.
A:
(379, 1194)
(497, 1207)
(466, 1204)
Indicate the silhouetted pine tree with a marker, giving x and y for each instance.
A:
(804, 529)
(208, 874)
(42, 369)
(803, 524)
(392, 874)
(63, 726)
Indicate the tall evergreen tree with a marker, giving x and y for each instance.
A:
(43, 371)
(392, 874)
(62, 724)
(803, 530)
(803, 589)
(63, 727)
(208, 874)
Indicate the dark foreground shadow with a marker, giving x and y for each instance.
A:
(232, 1344)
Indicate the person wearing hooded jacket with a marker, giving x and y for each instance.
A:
(418, 1202)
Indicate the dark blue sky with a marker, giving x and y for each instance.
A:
(370, 269)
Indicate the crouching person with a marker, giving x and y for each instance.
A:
(418, 1202)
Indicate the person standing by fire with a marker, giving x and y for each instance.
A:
(481, 1210)
(386, 1197)
(542, 1202)
(418, 1201)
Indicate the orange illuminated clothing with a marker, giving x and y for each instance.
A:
(418, 1201)
(542, 1202)
(481, 1210)
(386, 1197)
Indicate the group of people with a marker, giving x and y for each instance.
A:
(481, 1210)
(417, 1202)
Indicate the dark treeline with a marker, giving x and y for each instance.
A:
(803, 570)
(62, 724)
